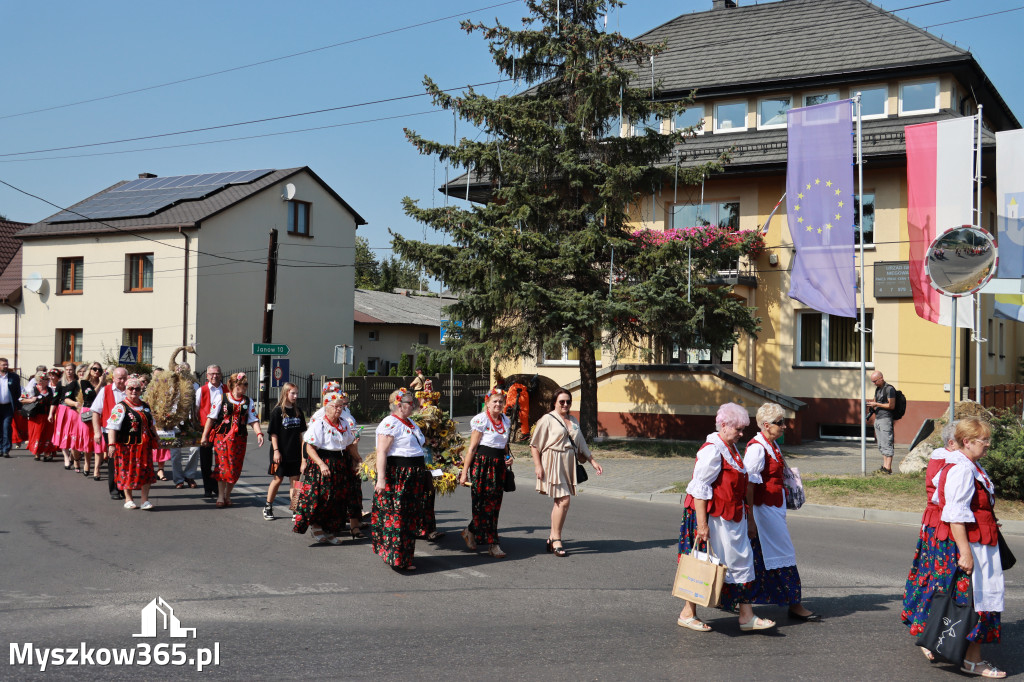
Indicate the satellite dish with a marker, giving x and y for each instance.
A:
(34, 282)
(289, 192)
(961, 260)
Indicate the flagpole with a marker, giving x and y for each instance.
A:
(952, 361)
(863, 351)
(977, 297)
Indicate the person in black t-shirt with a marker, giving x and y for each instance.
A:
(287, 424)
(882, 407)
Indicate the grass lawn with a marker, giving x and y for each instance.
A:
(899, 492)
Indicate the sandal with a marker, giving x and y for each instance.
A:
(160, 476)
(982, 668)
(434, 536)
(559, 550)
(928, 654)
(496, 552)
(191, 483)
(756, 623)
(220, 504)
(469, 539)
(693, 624)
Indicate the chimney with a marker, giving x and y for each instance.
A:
(146, 176)
(723, 4)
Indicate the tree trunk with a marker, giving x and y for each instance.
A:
(588, 391)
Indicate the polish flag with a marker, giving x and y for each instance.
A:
(940, 195)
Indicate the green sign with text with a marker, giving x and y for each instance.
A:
(269, 349)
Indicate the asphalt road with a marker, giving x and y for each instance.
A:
(77, 568)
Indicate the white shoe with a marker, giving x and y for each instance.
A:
(130, 505)
(147, 505)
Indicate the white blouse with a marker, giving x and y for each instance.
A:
(322, 435)
(119, 412)
(491, 437)
(753, 458)
(959, 490)
(408, 441)
(709, 465)
(216, 408)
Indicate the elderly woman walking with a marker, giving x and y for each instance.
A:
(486, 462)
(131, 433)
(228, 421)
(715, 514)
(777, 578)
(557, 446)
(402, 480)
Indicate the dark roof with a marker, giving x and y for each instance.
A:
(185, 214)
(382, 307)
(10, 260)
(806, 43)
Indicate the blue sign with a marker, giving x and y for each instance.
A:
(444, 328)
(128, 355)
(279, 373)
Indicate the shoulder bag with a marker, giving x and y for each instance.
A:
(699, 577)
(793, 486)
(945, 632)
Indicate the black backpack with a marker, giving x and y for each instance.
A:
(901, 406)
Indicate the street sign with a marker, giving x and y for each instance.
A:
(128, 355)
(343, 354)
(444, 330)
(269, 349)
(279, 372)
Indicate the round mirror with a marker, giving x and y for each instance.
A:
(961, 260)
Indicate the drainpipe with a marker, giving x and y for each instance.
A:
(15, 309)
(184, 306)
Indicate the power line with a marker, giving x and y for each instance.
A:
(923, 4)
(245, 123)
(979, 16)
(260, 63)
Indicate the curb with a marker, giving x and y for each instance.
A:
(819, 511)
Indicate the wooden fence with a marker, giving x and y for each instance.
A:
(1008, 396)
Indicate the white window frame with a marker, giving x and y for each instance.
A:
(917, 112)
(660, 127)
(819, 92)
(373, 366)
(772, 126)
(717, 120)
(700, 129)
(564, 360)
(825, 317)
(873, 86)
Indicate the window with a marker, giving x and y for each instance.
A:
(564, 355)
(71, 272)
(298, 217)
(826, 340)
(696, 356)
(141, 340)
(874, 101)
(771, 112)
(1002, 338)
(991, 346)
(641, 126)
(820, 98)
(730, 117)
(374, 335)
(424, 338)
(69, 346)
(372, 365)
(694, 116)
(139, 274)
(869, 219)
(722, 214)
(920, 97)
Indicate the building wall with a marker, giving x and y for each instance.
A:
(314, 305)
(7, 330)
(392, 341)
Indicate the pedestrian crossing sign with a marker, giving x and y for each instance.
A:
(129, 355)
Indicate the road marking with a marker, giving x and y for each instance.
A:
(453, 570)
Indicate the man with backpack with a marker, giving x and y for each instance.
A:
(884, 409)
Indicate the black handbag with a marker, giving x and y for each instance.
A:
(945, 633)
(581, 474)
(35, 409)
(1005, 555)
(510, 481)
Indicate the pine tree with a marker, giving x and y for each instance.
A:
(532, 265)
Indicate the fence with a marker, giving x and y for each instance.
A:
(368, 396)
(1001, 395)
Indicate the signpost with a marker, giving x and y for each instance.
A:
(270, 349)
(279, 372)
(128, 355)
(343, 355)
(451, 365)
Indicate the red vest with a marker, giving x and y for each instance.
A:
(108, 405)
(983, 530)
(769, 493)
(728, 492)
(932, 512)
(204, 404)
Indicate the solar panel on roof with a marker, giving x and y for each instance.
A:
(147, 196)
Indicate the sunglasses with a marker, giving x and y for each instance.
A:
(132, 388)
(780, 422)
(95, 369)
(565, 402)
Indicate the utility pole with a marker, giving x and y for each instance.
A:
(269, 297)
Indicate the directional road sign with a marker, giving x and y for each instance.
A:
(269, 349)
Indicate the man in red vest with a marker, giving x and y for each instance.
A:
(108, 396)
(208, 397)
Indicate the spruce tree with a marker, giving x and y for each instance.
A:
(533, 266)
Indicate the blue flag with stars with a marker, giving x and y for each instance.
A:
(819, 191)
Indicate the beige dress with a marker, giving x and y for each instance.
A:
(556, 454)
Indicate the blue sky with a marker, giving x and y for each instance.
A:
(60, 52)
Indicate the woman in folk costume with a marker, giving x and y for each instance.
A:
(64, 414)
(322, 505)
(131, 434)
(715, 514)
(402, 480)
(228, 421)
(777, 578)
(966, 551)
(40, 429)
(486, 465)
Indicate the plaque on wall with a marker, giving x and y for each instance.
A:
(892, 279)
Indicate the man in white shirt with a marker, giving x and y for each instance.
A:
(106, 398)
(208, 398)
(10, 400)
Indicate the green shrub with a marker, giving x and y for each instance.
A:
(360, 370)
(404, 368)
(393, 372)
(1005, 459)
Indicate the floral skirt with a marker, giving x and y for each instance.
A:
(323, 499)
(779, 586)
(397, 517)
(429, 520)
(133, 467)
(40, 435)
(935, 566)
(488, 475)
(229, 454)
(732, 593)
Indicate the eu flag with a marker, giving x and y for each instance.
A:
(819, 197)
